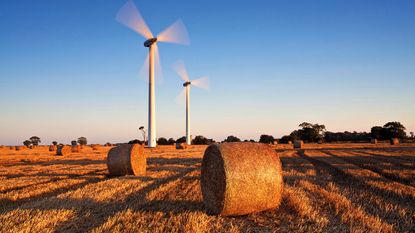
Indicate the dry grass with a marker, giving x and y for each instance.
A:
(328, 188)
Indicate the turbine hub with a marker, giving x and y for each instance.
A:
(186, 84)
(149, 42)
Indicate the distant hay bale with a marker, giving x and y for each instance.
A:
(241, 178)
(52, 148)
(290, 142)
(76, 148)
(95, 146)
(298, 144)
(12, 148)
(19, 148)
(181, 146)
(63, 150)
(373, 141)
(127, 159)
(394, 141)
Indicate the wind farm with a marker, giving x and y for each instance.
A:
(290, 117)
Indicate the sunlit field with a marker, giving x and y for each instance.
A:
(331, 188)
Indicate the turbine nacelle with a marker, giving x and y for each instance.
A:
(150, 42)
(187, 83)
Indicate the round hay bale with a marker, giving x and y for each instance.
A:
(394, 141)
(241, 178)
(373, 141)
(12, 148)
(181, 146)
(95, 146)
(19, 148)
(127, 159)
(52, 148)
(63, 150)
(76, 149)
(298, 144)
(290, 142)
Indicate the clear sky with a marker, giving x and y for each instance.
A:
(69, 69)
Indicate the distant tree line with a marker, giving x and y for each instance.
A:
(317, 133)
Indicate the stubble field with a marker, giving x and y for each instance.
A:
(328, 188)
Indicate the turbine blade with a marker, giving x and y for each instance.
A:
(202, 82)
(181, 70)
(175, 33)
(145, 68)
(131, 17)
(158, 71)
(181, 98)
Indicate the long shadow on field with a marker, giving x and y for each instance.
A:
(389, 171)
(59, 162)
(343, 179)
(353, 189)
(90, 214)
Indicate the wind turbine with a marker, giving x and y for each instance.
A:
(176, 33)
(202, 82)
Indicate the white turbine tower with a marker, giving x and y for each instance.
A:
(202, 82)
(176, 33)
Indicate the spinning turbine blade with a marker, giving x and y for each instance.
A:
(131, 17)
(176, 33)
(181, 98)
(181, 70)
(144, 70)
(157, 65)
(201, 83)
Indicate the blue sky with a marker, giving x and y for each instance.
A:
(69, 69)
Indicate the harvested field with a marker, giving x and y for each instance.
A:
(327, 188)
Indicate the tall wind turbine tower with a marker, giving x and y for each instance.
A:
(201, 83)
(176, 33)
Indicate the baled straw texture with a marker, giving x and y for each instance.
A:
(181, 146)
(394, 141)
(127, 159)
(76, 149)
(298, 144)
(95, 146)
(52, 148)
(241, 178)
(63, 150)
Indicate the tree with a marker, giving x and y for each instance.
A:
(268, 139)
(395, 129)
(311, 132)
(181, 140)
(162, 141)
(55, 143)
(232, 139)
(200, 140)
(412, 134)
(143, 131)
(35, 140)
(171, 141)
(74, 143)
(135, 141)
(378, 132)
(82, 141)
(27, 143)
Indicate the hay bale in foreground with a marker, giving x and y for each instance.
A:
(127, 159)
(373, 141)
(181, 146)
(76, 149)
(52, 148)
(394, 141)
(63, 150)
(241, 178)
(298, 144)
